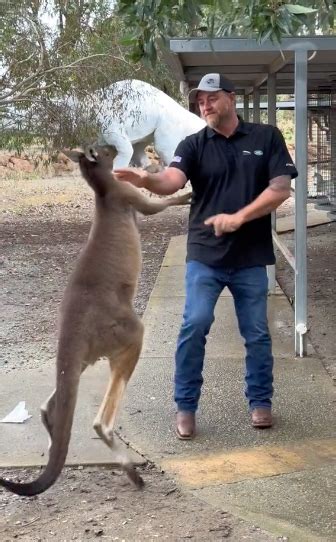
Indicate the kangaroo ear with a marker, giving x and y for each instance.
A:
(91, 154)
(74, 155)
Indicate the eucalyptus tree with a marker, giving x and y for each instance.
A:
(152, 22)
(54, 53)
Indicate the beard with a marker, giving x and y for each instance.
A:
(214, 120)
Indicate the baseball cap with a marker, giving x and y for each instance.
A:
(212, 82)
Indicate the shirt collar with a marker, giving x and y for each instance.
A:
(242, 128)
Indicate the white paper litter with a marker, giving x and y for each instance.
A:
(18, 415)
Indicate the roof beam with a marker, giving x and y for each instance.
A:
(196, 71)
(274, 67)
(313, 68)
(222, 45)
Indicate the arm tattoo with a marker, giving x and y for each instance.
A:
(281, 183)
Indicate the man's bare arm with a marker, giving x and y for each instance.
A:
(167, 182)
(275, 194)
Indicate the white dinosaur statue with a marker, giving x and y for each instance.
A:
(134, 114)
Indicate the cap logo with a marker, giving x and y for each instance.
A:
(258, 152)
(211, 81)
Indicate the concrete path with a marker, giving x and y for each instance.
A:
(26, 444)
(315, 217)
(281, 479)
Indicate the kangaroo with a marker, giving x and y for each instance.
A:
(97, 317)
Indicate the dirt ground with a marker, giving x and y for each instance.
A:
(321, 265)
(44, 223)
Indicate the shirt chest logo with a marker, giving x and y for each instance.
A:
(257, 152)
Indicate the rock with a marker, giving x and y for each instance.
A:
(20, 164)
(62, 164)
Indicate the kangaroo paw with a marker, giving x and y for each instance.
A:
(181, 200)
(153, 168)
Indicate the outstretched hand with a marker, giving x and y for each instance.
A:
(133, 175)
(224, 223)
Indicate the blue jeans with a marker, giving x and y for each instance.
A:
(249, 287)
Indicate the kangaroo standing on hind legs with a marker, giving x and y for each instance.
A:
(97, 315)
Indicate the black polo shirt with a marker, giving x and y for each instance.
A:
(226, 174)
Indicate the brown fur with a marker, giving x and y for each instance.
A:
(97, 315)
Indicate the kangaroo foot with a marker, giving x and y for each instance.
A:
(134, 476)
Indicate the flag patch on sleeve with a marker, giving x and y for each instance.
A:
(177, 159)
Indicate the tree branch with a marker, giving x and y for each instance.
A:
(30, 84)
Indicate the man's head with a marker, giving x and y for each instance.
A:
(215, 98)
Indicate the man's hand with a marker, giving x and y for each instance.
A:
(165, 182)
(224, 223)
(133, 175)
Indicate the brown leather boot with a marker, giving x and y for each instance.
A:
(261, 417)
(185, 425)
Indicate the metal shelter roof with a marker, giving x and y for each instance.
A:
(297, 66)
(248, 63)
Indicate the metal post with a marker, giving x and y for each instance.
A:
(246, 107)
(301, 156)
(271, 117)
(256, 105)
(271, 99)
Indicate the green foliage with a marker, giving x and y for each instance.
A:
(155, 21)
(12, 140)
(49, 49)
(285, 122)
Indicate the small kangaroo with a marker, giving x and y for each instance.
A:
(97, 317)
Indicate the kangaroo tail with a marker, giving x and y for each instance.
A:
(68, 375)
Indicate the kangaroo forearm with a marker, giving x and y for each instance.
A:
(148, 206)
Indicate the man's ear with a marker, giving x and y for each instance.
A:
(74, 155)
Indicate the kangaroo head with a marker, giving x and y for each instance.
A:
(103, 155)
(95, 164)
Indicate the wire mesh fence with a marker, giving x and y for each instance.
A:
(322, 147)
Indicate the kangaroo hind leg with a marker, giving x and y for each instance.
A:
(122, 368)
